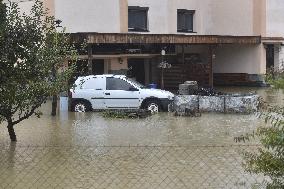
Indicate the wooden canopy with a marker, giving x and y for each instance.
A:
(127, 38)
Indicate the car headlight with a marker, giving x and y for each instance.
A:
(170, 97)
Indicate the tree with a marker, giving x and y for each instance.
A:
(2, 14)
(269, 159)
(30, 47)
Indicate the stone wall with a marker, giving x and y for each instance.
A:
(222, 103)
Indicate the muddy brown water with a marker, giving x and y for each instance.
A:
(86, 150)
(89, 129)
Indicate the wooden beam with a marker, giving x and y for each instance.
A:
(108, 56)
(127, 38)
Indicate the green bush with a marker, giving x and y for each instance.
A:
(269, 159)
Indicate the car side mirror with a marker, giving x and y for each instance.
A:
(132, 89)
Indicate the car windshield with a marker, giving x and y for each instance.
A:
(136, 83)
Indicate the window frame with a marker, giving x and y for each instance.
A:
(141, 9)
(107, 88)
(185, 12)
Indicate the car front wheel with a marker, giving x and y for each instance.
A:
(153, 106)
(80, 107)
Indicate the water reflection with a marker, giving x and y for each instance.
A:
(88, 129)
(11, 154)
(68, 151)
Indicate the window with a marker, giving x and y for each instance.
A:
(92, 83)
(138, 18)
(117, 84)
(185, 20)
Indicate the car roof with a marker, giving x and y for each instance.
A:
(109, 75)
(104, 75)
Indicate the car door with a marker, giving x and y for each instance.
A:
(95, 87)
(119, 96)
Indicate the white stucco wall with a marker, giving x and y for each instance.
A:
(227, 17)
(157, 14)
(240, 59)
(89, 15)
(212, 17)
(24, 5)
(275, 18)
(162, 15)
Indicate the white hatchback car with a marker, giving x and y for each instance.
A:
(100, 92)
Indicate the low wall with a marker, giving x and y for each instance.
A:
(222, 103)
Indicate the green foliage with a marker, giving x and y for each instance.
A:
(31, 48)
(269, 159)
(2, 14)
(126, 114)
(115, 114)
(275, 78)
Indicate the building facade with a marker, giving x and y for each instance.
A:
(221, 42)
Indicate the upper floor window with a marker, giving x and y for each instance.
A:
(138, 18)
(185, 20)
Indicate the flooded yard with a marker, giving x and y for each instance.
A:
(86, 150)
(89, 129)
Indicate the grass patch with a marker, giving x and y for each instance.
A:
(126, 114)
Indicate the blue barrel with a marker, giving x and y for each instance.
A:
(153, 86)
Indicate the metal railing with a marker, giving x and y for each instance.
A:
(121, 167)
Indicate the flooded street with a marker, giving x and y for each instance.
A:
(89, 129)
(86, 150)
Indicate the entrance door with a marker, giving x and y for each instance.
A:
(137, 70)
(269, 57)
(118, 95)
(98, 67)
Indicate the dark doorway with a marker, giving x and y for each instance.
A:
(269, 57)
(98, 67)
(136, 70)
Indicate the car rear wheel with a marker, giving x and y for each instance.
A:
(80, 106)
(153, 106)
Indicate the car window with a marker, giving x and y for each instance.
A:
(89, 84)
(92, 83)
(117, 84)
(136, 83)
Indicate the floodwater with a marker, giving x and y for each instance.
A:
(86, 150)
(89, 129)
